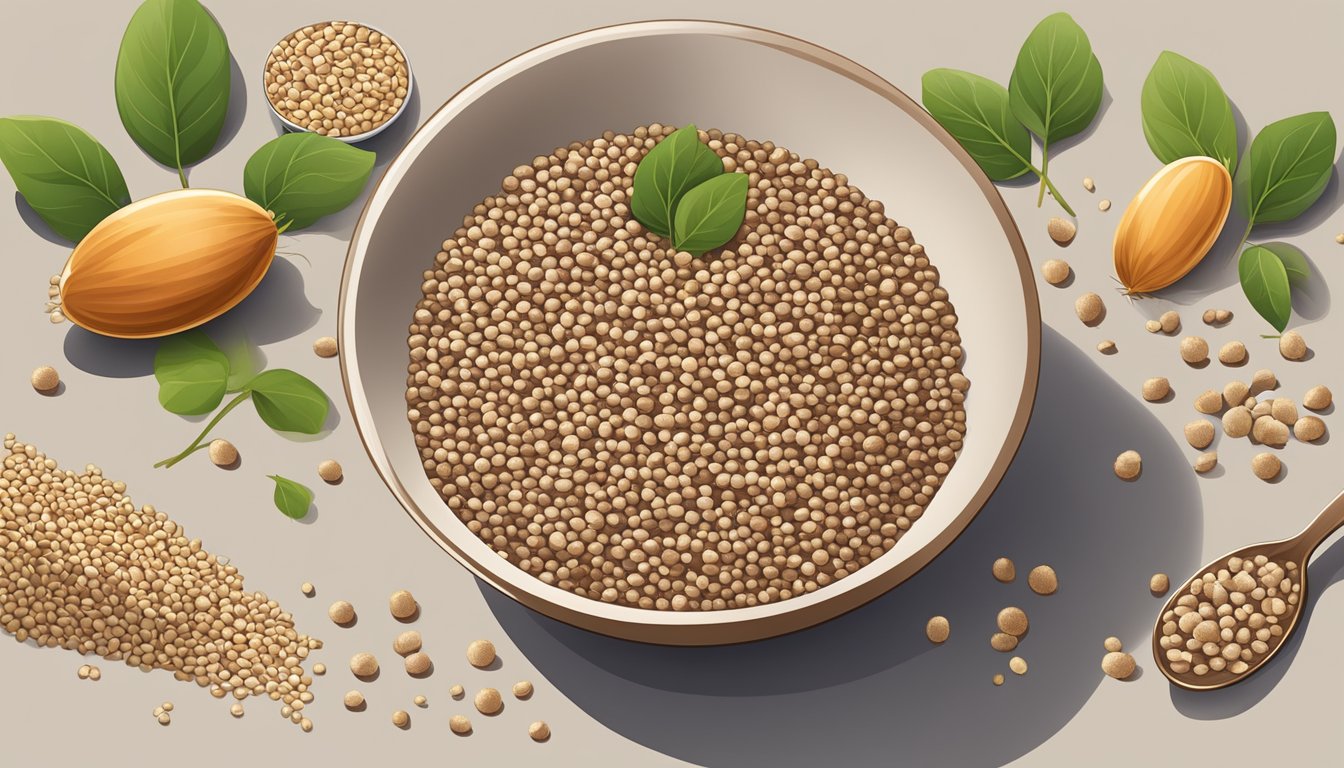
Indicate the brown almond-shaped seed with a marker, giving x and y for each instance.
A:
(1199, 433)
(1232, 353)
(1089, 308)
(1309, 429)
(1205, 462)
(1061, 230)
(1291, 345)
(1318, 398)
(1154, 248)
(1266, 466)
(1156, 388)
(1209, 402)
(1104, 205)
(1210, 316)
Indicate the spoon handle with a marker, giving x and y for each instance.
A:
(1327, 522)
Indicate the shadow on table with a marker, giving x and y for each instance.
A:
(1325, 571)
(869, 683)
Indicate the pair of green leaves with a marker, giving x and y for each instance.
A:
(681, 192)
(194, 376)
(1186, 112)
(1054, 92)
(172, 90)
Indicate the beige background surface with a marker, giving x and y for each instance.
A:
(867, 687)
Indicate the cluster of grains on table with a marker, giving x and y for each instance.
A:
(1226, 620)
(86, 570)
(337, 78)
(643, 427)
(1012, 621)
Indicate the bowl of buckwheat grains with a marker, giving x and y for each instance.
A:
(704, 445)
(342, 79)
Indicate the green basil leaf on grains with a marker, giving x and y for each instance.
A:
(302, 177)
(288, 402)
(67, 177)
(975, 110)
(711, 214)
(676, 165)
(192, 373)
(1186, 112)
(1265, 283)
(1290, 162)
(172, 81)
(1055, 89)
(292, 498)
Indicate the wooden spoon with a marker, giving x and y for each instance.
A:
(1297, 551)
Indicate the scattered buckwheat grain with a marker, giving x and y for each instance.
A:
(1309, 429)
(1128, 465)
(1013, 620)
(522, 689)
(1118, 664)
(459, 724)
(1062, 231)
(401, 718)
(325, 347)
(1199, 433)
(1318, 398)
(481, 653)
(488, 701)
(341, 612)
(1263, 380)
(1055, 271)
(1209, 402)
(363, 665)
(997, 679)
(407, 643)
(223, 453)
(1089, 184)
(418, 663)
(1158, 584)
(319, 669)
(1104, 206)
(1152, 326)
(1205, 462)
(402, 604)
(1232, 353)
(457, 691)
(87, 571)
(1042, 580)
(354, 700)
(1106, 347)
(83, 672)
(1170, 321)
(938, 629)
(1194, 350)
(1004, 570)
(420, 701)
(1003, 642)
(1266, 466)
(1262, 408)
(236, 709)
(330, 471)
(95, 674)
(1018, 665)
(1235, 393)
(46, 379)
(1270, 431)
(1113, 645)
(539, 731)
(1156, 388)
(1292, 346)
(337, 78)
(1089, 308)
(1210, 316)
(1284, 409)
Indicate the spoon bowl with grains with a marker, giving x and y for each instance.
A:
(647, 433)
(1229, 620)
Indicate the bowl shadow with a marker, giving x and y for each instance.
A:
(870, 679)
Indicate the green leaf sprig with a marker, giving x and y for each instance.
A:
(681, 192)
(1186, 112)
(302, 177)
(1054, 92)
(291, 497)
(194, 376)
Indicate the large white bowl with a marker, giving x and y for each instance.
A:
(750, 81)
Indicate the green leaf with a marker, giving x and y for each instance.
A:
(292, 498)
(1186, 112)
(678, 164)
(172, 81)
(1294, 262)
(1291, 161)
(975, 110)
(243, 364)
(1265, 283)
(67, 177)
(711, 213)
(302, 177)
(1055, 88)
(192, 373)
(288, 402)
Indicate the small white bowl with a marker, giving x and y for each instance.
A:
(410, 88)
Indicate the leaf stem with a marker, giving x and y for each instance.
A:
(1045, 170)
(1055, 193)
(182, 177)
(281, 230)
(197, 443)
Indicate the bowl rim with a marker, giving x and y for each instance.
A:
(733, 625)
(293, 127)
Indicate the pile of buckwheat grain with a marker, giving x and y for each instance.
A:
(644, 427)
(83, 569)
